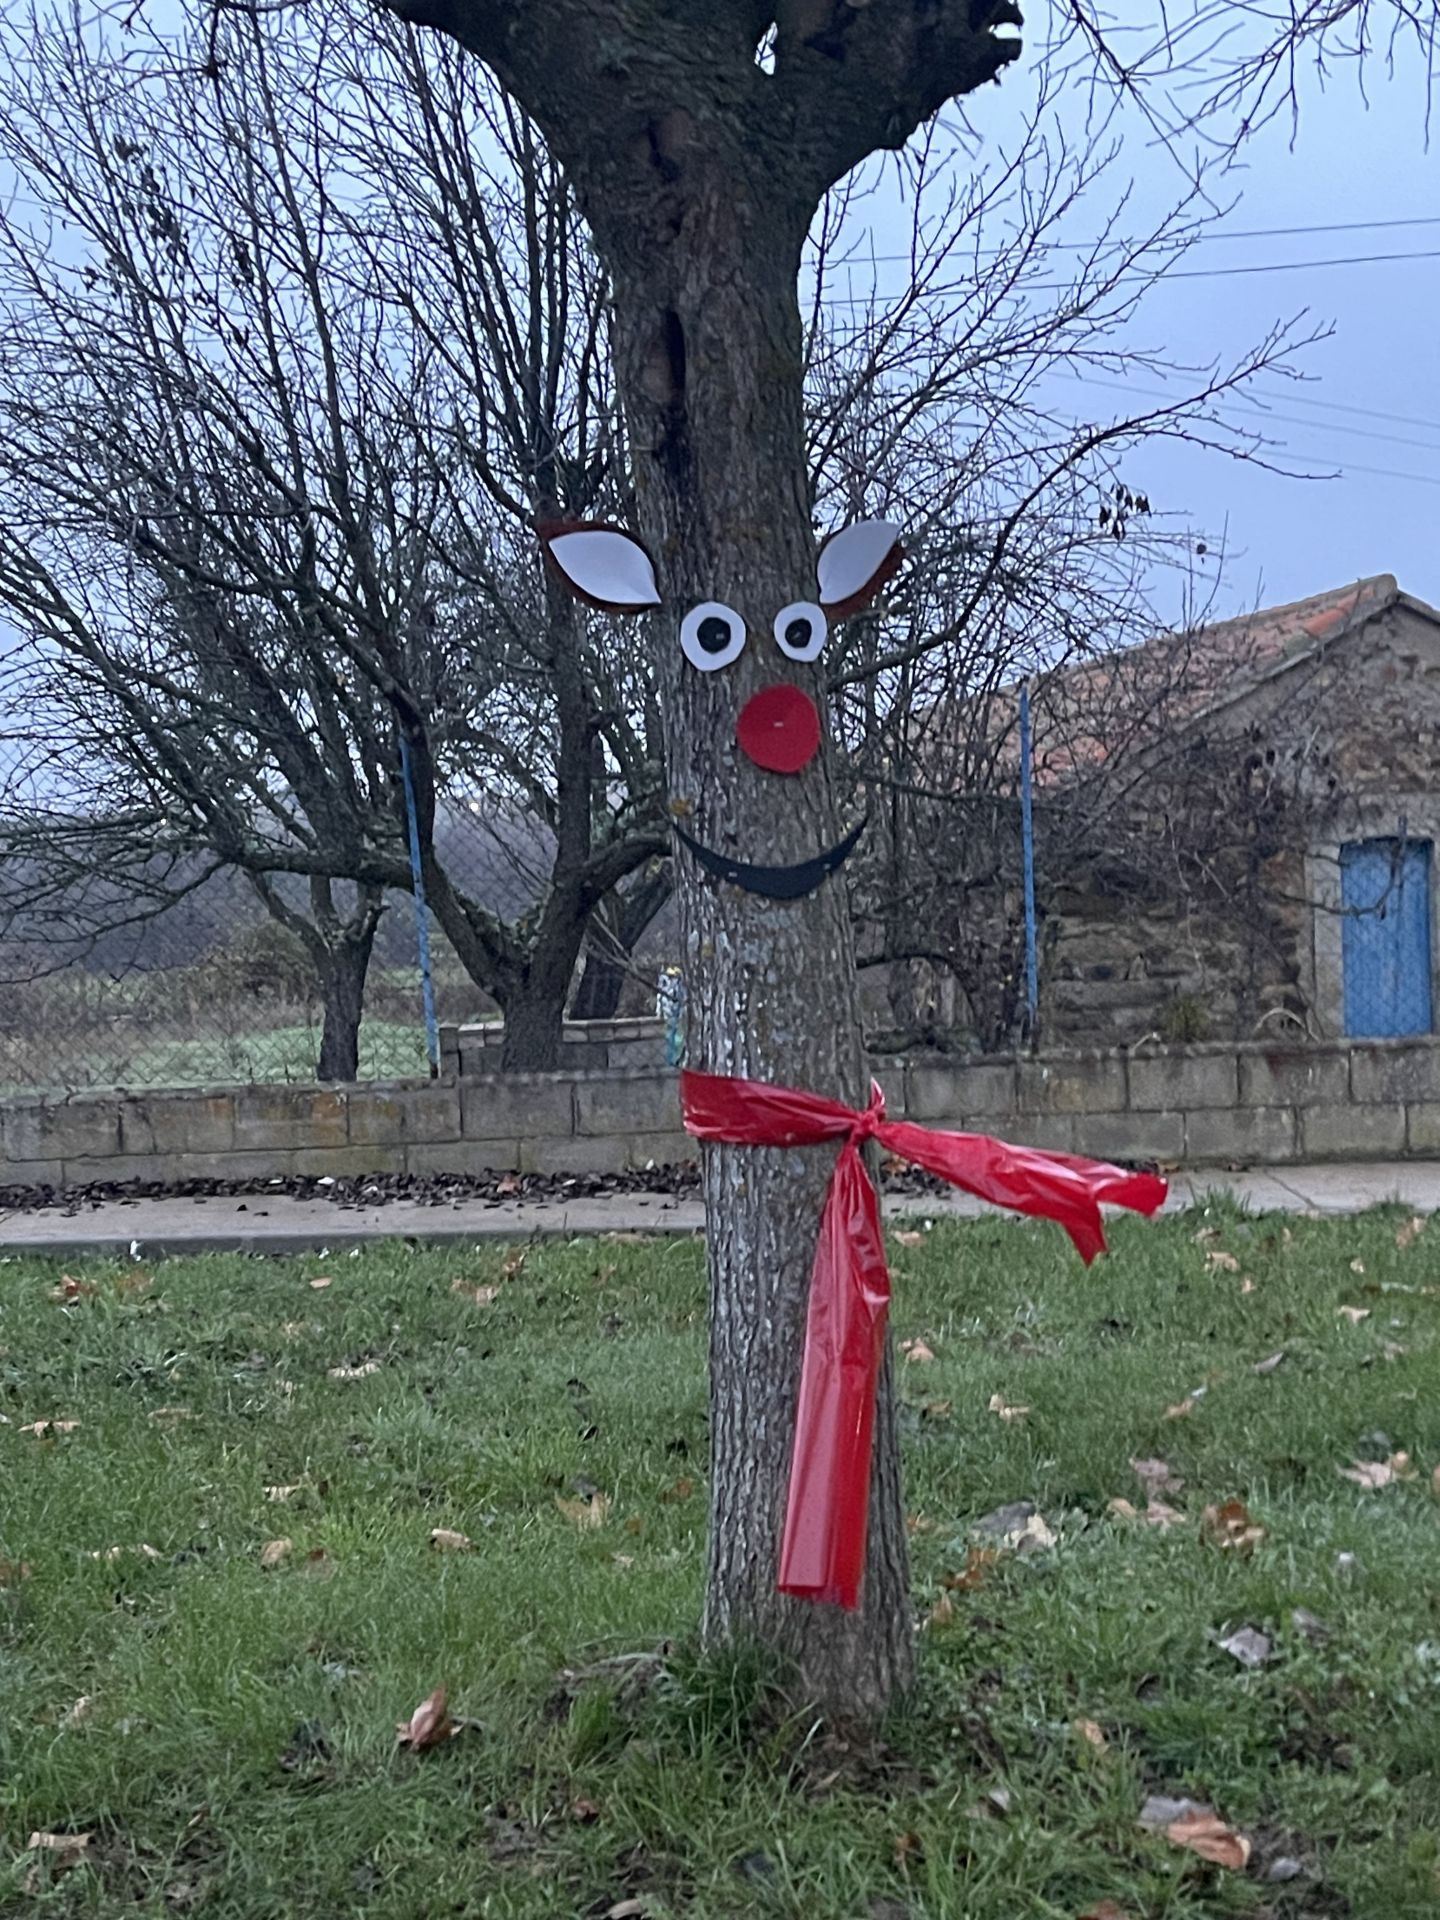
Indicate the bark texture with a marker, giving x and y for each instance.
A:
(699, 173)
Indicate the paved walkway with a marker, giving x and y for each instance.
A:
(259, 1224)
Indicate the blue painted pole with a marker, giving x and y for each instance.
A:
(1027, 838)
(422, 918)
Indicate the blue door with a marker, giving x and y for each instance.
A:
(1385, 891)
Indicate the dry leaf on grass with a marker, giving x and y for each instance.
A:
(1354, 1314)
(482, 1296)
(1155, 1476)
(1182, 1409)
(1374, 1474)
(937, 1409)
(1357, 1265)
(145, 1550)
(1091, 1734)
(278, 1494)
(1435, 1481)
(978, 1560)
(72, 1289)
(997, 1404)
(429, 1725)
(77, 1713)
(1269, 1363)
(12, 1572)
(447, 1540)
(362, 1372)
(321, 1281)
(908, 1237)
(1219, 1261)
(275, 1553)
(1247, 1285)
(1231, 1526)
(1030, 1536)
(1199, 1829)
(1107, 1910)
(1407, 1235)
(1156, 1513)
(918, 1523)
(942, 1612)
(585, 1513)
(916, 1352)
(1247, 1645)
(44, 1429)
(683, 1489)
(62, 1851)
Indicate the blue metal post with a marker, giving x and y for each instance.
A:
(422, 918)
(1027, 836)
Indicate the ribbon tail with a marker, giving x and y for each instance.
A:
(822, 1552)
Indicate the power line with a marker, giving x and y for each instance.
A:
(1289, 420)
(1161, 277)
(1298, 453)
(1237, 233)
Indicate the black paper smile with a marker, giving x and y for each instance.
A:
(775, 883)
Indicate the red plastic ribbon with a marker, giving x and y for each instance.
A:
(822, 1553)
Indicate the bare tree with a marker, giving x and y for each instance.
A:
(262, 522)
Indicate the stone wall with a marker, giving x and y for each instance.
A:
(585, 1045)
(1220, 1103)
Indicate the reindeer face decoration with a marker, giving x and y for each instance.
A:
(778, 727)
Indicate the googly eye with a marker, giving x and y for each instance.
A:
(800, 630)
(712, 636)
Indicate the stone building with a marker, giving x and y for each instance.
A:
(1274, 871)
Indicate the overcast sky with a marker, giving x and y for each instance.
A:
(1370, 411)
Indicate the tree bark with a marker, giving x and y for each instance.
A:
(342, 988)
(709, 359)
(534, 1024)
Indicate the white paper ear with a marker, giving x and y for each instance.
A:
(603, 566)
(855, 563)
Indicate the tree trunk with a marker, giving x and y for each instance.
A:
(342, 989)
(601, 983)
(709, 361)
(534, 1024)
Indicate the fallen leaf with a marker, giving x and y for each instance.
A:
(918, 1523)
(172, 1414)
(447, 1540)
(1232, 1527)
(1269, 1363)
(78, 1713)
(278, 1494)
(1247, 1645)
(908, 1846)
(482, 1296)
(585, 1513)
(42, 1428)
(623, 1559)
(1182, 1409)
(1407, 1235)
(12, 1572)
(72, 1289)
(584, 1811)
(1185, 1823)
(909, 1239)
(1205, 1236)
(937, 1409)
(275, 1552)
(428, 1726)
(1219, 1261)
(135, 1284)
(1107, 1910)
(942, 1612)
(322, 1281)
(1030, 1537)
(1155, 1476)
(997, 1405)
(1374, 1474)
(1090, 1734)
(514, 1263)
(145, 1550)
(1156, 1513)
(362, 1372)
(682, 1490)
(63, 1850)
(628, 1910)
(1435, 1481)
(1354, 1314)
(1357, 1265)
(1247, 1285)
(1308, 1624)
(977, 1562)
(510, 1184)
(916, 1352)
(318, 1560)
(1392, 1350)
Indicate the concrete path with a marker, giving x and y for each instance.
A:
(259, 1224)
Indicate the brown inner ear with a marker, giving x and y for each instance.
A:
(548, 530)
(836, 610)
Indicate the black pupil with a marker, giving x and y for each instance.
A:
(713, 633)
(797, 634)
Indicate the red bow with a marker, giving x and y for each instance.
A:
(822, 1553)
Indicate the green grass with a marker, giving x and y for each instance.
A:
(696, 1791)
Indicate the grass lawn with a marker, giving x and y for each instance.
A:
(225, 1734)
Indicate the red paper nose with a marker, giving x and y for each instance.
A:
(779, 728)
